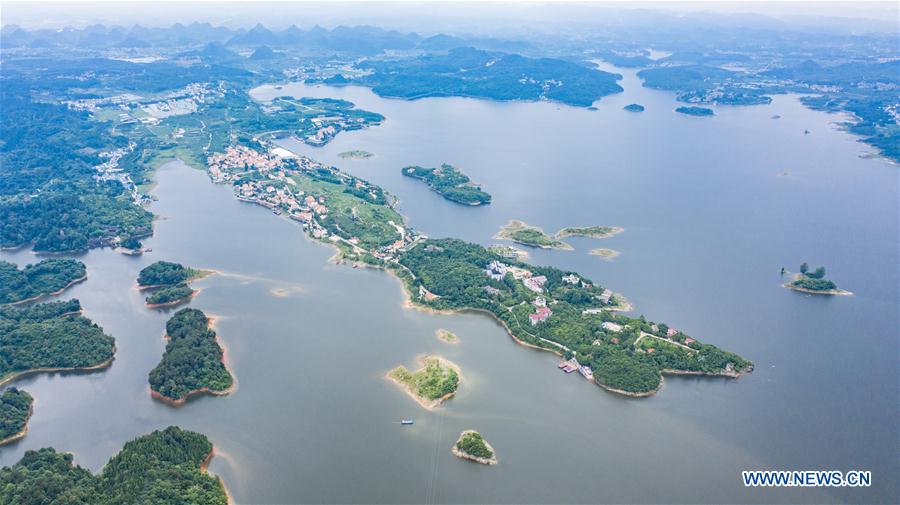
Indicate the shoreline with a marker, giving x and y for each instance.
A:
(178, 402)
(829, 292)
(427, 404)
(204, 468)
(464, 455)
(24, 431)
(32, 371)
(47, 295)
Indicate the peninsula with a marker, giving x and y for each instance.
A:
(472, 446)
(15, 410)
(193, 362)
(696, 111)
(431, 385)
(525, 234)
(540, 306)
(589, 231)
(450, 183)
(166, 467)
(45, 278)
(814, 282)
(50, 337)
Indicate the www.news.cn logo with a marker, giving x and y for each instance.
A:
(807, 478)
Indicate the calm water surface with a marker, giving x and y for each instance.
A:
(713, 207)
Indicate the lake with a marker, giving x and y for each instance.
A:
(712, 207)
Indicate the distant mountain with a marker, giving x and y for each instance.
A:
(263, 53)
(256, 36)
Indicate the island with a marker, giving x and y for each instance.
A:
(193, 363)
(450, 183)
(473, 447)
(604, 253)
(814, 282)
(355, 155)
(634, 107)
(446, 336)
(15, 410)
(170, 296)
(431, 385)
(166, 467)
(696, 111)
(540, 307)
(532, 236)
(165, 273)
(46, 278)
(589, 231)
(50, 337)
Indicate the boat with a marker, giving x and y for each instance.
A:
(407, 421)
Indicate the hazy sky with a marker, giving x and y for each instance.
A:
(452, 17)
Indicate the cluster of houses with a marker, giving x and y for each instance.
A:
(109, 170)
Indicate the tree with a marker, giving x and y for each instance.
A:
(818, 274)
(804, 268)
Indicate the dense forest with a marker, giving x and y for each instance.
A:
(15, 408)
(165, 273)
(50, 335)
(193, 360)
(161, 468)
(450, 183)
(42, 278)
(48, 194)
(170, 295)
(472, 443)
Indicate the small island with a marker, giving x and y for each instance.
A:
(447, 336)
(168, 281)
(604, 253)
(450, 183)
(46, 278)
(15, 410)
(634, 107)
(589, 231)
(696, 111)
(814, 282)
(472, 446)
(431, 385)
(355, 155)
(525, 234)
(170, 296)
(193, 362)
(50, 337)
(163, 467)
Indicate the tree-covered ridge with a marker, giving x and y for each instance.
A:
(450, 183)
(48, 194)
(497, 76)
(457, 275)
(15, 408)
(166, 273)
(193, 360)
(43, 278)
(170, 295)
(162, 468)
(50, 335)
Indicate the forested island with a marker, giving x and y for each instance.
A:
(355, 155)
(604, 253)
(15, 409)
(450, 183)
(814, 282)
(589, 231)
(193, 362)
(45, 278)
(696, 111)
(472, 446)
(525, 234)
(166, 273)
(446, 336)
(166, 467)
(49, 337)
(634, 107)
(431, 385)
(170, 295)
(540, 306)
